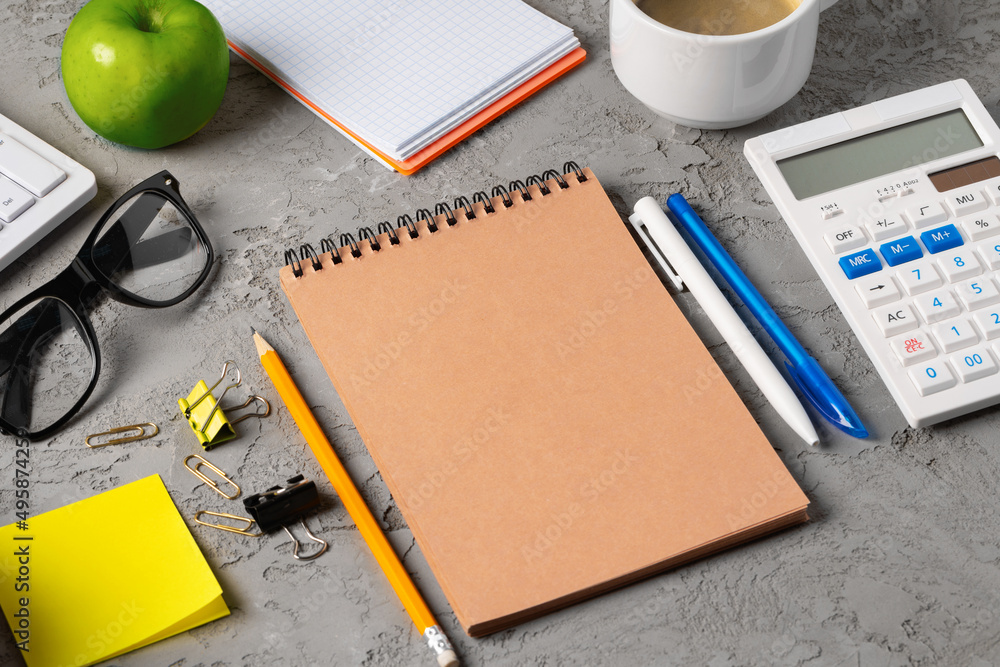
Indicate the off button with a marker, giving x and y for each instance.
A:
(847, 238)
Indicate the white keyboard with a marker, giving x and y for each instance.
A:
(897, 205)
(39, 188)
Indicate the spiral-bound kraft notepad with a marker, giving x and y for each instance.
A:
(546, 419)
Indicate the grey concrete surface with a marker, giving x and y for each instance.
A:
(899, 564)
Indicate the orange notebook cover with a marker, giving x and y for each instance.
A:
(435, 148)
(549, 424)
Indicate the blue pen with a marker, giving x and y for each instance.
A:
(811, 378)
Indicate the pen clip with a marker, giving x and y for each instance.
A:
(640, 227)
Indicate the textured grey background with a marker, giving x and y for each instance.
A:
(899, 565)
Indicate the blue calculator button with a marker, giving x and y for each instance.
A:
(901, 251)
(860, 264)
(941, 239)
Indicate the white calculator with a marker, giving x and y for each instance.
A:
(896, 205)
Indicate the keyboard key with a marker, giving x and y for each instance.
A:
(28, 169)
(941, 239)
(845, 239)
(960, 264)
(965, 202)
(955, 335)
(860, 264)
(14, 200)
(901, 251)
(886, 227)
(937, 306)
(877, 291)
(974, 363)
(979, 227)
(913, 347)
(919, 278)
(988, 322)
(930, 378)
(893, 320)
(978, 293)
(926, 214)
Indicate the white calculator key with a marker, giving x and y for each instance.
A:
(965, 202)
(877, 290)
(993, 190)
(959, 264)
(913, 347)
(988, 322)
(28, 169)
(926, 214)
(978, 293)
(990, 252)
(847, 238)
(14, 200)
(955, 335)
(979, 227)
(974, 363)
(930, 378)
(895, 319)
(937, 306)
(886, 227)
(919, 277)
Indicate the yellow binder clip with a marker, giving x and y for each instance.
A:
(205, 414)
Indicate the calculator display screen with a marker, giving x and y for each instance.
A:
(879, 153)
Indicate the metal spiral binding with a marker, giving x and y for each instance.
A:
(327, 245)
(425, 214)
(462, 204)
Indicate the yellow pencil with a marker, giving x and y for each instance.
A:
(355, 504)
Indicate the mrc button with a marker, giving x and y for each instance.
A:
(860, 264)
(941, 239)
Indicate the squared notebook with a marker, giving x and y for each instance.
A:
(549, 424)
(404, 81)
(105, 575)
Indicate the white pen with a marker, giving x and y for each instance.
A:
(670, 250)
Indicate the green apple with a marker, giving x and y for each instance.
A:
(145, 73)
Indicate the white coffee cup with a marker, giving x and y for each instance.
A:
(713, 81)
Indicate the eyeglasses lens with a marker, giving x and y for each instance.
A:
(46, 364)
(148, 248)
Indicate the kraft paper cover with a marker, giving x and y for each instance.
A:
(546, 419)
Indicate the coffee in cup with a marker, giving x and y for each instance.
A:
(717, 17)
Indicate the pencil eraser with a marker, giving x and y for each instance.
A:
(448, 659)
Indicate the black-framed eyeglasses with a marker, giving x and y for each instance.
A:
(147, 250)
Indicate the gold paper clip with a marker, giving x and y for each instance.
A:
(140, 432)
(196, 471)
(243, 527)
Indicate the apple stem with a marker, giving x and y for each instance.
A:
(150, 16)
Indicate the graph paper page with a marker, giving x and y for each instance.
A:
(394, 71)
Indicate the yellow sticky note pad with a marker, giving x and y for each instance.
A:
(104, 576)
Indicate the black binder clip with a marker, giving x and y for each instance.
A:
(280, 505)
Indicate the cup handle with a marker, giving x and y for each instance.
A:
(826, 4)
